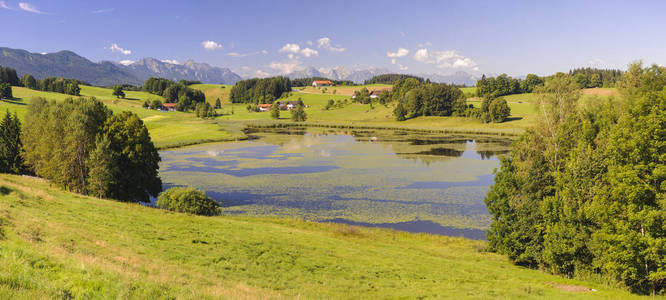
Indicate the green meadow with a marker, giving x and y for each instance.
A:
(172, 129)
(167, 129)
(55, 244)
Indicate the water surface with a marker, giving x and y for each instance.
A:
(403, 180)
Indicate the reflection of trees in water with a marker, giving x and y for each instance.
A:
(488, 154)
(441, 152)
(435, 141)
(424, 159)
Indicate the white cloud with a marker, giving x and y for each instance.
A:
(170, 61)
(421, 45)
(30, 8)
(286, 67)
(291, 56)
(597, 62)
(307, 52)
(325, 43)
(43, 53)
(4, 5)
(126, 62)
(259, 73)
(211, 45)
(309, 43)
(449, 59)
(402, 68)
(393, 61)
(236, 54)
(103, 10)
(293, 48)
(421, 55)
(115, 48)
(400, 53)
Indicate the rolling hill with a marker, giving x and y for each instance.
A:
(59, 245)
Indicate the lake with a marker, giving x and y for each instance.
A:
(412, 181)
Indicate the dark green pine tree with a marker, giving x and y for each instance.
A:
(11, 160)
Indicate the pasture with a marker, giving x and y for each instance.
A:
(56, 244)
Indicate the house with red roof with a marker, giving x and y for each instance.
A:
(170, 106)
(264, 107)
(375, 93)
(318, 83)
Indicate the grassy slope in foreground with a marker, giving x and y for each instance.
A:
(59, 244)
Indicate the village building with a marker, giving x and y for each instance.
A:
(264, 107)
(375, 93)
(169, 106)
(318, 83)
(287, 105)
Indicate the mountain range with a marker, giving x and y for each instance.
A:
(71, 65)
(360, 75)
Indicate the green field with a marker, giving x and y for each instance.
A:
(354, 114)
(167, 129)
(214, 91)
(177, 128)
(339, 90)
(55, 244)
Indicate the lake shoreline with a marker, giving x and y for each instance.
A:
(241, 136)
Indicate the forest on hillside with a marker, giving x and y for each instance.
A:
(582, 193)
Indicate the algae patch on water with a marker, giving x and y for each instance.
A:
(412, 180)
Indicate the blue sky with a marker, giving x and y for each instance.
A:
(271, 37)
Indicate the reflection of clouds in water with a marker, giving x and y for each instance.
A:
(324, 153)
(215, 153)
(304, 142)
(309, 142)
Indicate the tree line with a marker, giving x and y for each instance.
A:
(186, 97)
(592, 77)
(503, 85)
(391, 79)
(417, 99)
(82, 146)
(308, 81)
(8, 75)
(582, 192)
(260, 90)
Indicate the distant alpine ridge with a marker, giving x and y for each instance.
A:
(361, 75)
(71, 65)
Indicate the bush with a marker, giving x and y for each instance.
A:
(156, 104)
(5, 91)
(499, 110)
(187, 200)
(298, 114)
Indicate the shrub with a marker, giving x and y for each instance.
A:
(187, 200)
(156, 104)
(499, 110)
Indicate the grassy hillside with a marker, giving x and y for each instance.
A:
(56, 244)
(339, 90)
(167, 129)
(177, 128)
(381, 116)
(214, 91)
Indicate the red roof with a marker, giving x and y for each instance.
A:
(170, 104)
(264, 105)
(323, 81)
(379, 91)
